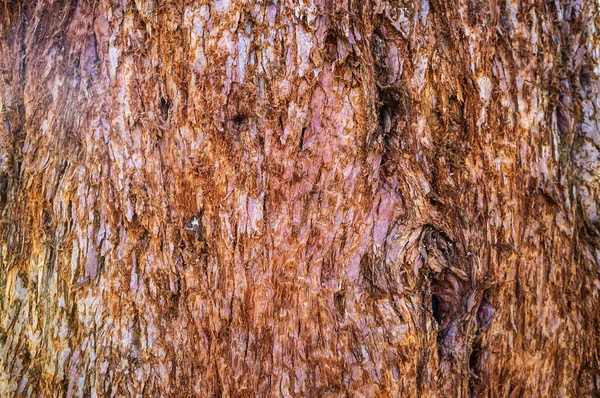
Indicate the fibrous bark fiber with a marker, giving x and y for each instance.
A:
(299, 198)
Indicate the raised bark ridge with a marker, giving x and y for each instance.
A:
(299, 198)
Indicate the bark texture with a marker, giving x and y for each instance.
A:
(299, 198)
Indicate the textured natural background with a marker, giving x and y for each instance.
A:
(299, 198)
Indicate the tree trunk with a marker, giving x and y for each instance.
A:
(300, 198)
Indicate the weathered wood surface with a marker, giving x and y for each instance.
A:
(299, 198)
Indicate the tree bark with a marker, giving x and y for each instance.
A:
(299, 198)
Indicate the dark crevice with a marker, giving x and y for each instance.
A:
(3, 190)
(51, 259)
(101, 264)
(331, 53)
(435, 308)
(301, 144)
(238, 120)
(446, 309)
(485, 314)
(585, 76)
(474, 384)
(433, 200)
(450, 290)
(339, 299)
(236, 124)
(165, 106)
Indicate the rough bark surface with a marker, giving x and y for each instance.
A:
(299, 198)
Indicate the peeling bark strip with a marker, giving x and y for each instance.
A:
(323, 198)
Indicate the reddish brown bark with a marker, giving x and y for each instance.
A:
(325, 198)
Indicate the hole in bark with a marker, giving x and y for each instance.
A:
(238, 120)
(449, 291)
(236, 124)
(585, 76)
(435, 308)
(432, 201)
(444, 300)
(165, 105)
(448, 308)
(239, 107)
